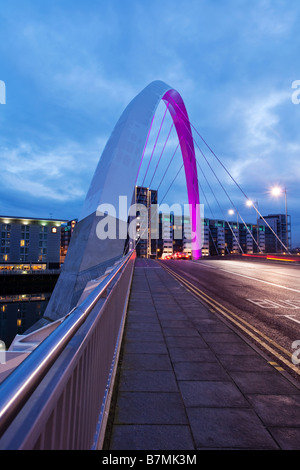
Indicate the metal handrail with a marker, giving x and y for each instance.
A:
(18, 386)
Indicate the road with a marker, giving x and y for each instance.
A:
(261, 299)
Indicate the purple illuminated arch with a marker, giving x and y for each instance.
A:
(180, 118)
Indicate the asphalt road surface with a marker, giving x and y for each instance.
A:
(261, 299)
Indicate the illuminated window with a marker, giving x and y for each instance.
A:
(22, 243)
(54, 230)
(19, 322)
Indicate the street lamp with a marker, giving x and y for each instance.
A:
(232, 212)
(277, 192)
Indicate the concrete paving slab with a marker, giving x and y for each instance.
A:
(208, 393)
(253, 363)
(149, 347)
(143, 326)
(148, 381)
(277, 410)
(147, 362)
(150, 408)
(192, 355)
(210, 325)
(287, 438)
(266, 382)
(185, 341)
(139, 335)
(200, 371)
(154, 437)
(229, 428)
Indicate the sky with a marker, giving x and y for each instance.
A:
(70, 68)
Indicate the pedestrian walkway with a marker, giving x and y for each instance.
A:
(187, 381)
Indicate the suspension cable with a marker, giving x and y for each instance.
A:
(168, 165)
(145, 146)
(247, 228)
(155, 142)
(235, 182)
(222, 211)
(161, 155)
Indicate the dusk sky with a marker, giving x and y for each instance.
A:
(71, 67)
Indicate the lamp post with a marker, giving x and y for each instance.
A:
(277, 191)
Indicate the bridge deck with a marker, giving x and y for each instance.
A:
(187, 381)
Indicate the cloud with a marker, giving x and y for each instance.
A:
(59, 174)
(259, 139)
(87, 87)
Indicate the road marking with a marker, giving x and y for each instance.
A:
(291, 318)
(265, 303)
(242, 324)
(254, 279)
(274, 364)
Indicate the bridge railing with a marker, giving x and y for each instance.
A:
(59, 396)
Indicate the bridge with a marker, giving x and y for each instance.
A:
(154, 354)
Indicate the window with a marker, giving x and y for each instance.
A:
(43, 243)
(5, 241)
(25, 236)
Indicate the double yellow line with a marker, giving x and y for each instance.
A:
(263, 340)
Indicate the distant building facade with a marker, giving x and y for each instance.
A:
(281, 225)
(67, 229)
(30, 243)
(219, 237)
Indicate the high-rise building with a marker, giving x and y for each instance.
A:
(277, 223)
(146, 239)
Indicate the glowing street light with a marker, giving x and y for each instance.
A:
(276, 191)
(232, 212)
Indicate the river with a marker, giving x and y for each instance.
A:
(20, 312)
